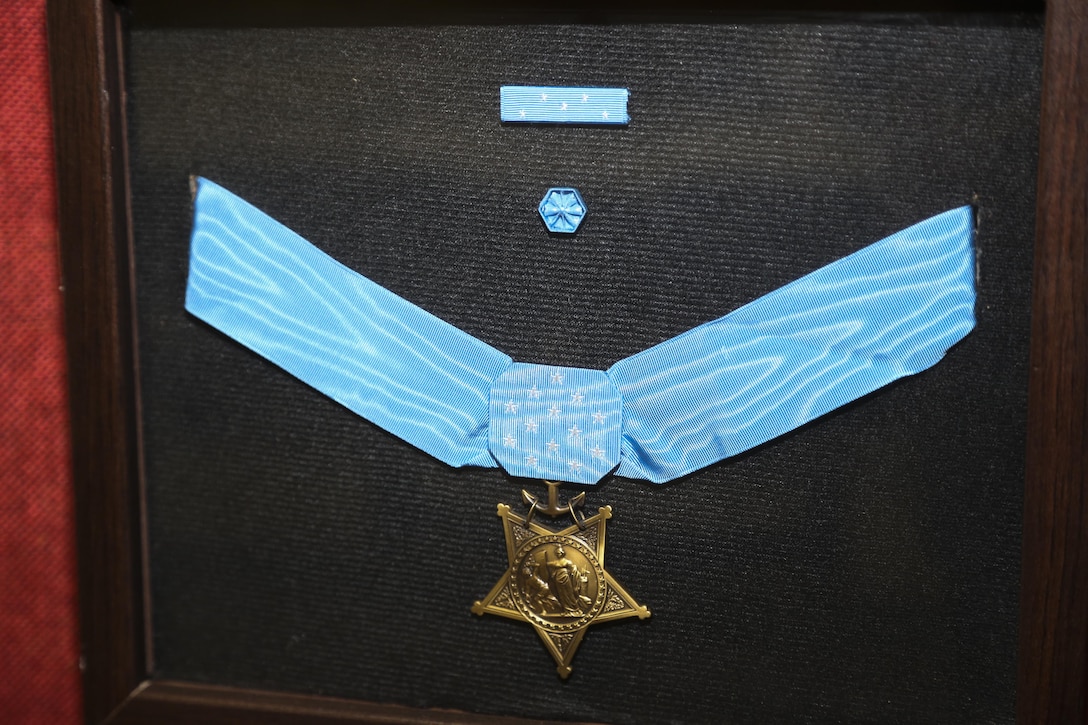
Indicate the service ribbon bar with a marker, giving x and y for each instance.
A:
(554, 104)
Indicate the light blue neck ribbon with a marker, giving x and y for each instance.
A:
(888, 310)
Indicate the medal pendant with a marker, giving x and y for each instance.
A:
(556, 580)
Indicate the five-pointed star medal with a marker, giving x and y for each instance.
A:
(556, 581)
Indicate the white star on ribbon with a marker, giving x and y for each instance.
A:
(576, 397)
(597, 452)
(522, 113)
(554, 411)
(553, 447)
(531, 426)
(534, 392)
(543, 96)
(599, 417)
(563, 107)
(511, 406)
(557, 378)
(585, 97)
(574, 465)
(574, 432)
(604, 115)
(509, 441)
(531, 460)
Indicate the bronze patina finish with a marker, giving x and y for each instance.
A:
(556, 580)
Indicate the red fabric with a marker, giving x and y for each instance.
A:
(39, 651)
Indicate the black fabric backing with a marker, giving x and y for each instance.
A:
(864, 568)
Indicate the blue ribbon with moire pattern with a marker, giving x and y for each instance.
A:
(888, 310)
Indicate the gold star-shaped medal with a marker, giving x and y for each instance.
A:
(556, 580)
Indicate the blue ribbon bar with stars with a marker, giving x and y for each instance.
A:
(556, 104)
(886, 311)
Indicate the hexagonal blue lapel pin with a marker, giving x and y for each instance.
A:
(562, 210)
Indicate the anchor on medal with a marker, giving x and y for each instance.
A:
(555, 579)
(553, 508)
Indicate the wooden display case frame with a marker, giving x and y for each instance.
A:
(86, 52)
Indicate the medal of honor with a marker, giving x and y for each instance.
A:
(840, 332)
(556, 580)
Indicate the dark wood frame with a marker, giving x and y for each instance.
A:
(86, 55)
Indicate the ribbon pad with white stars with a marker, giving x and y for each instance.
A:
(555, 423)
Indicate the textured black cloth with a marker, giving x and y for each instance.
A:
(864, 568)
